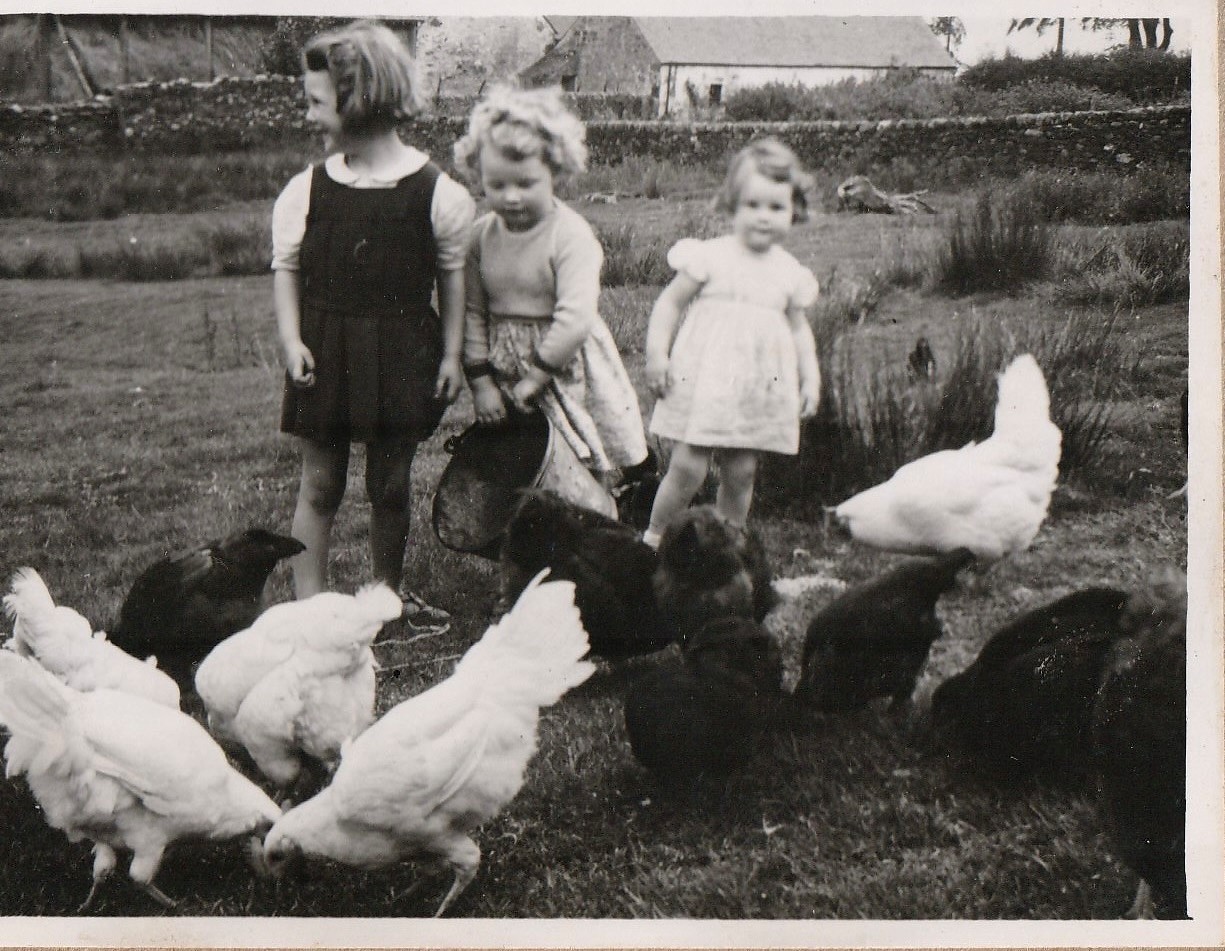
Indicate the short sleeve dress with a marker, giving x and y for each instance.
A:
(734, 368)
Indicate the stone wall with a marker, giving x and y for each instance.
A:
(233, 114)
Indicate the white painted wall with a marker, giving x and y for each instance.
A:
(674, 100)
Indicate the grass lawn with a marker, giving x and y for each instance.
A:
(140, 418)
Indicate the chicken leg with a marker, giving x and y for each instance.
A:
(104, 864)
(464, 856)
(145, 863)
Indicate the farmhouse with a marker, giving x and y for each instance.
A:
(689, 64)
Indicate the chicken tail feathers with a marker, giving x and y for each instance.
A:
(34, 707)
(35, 615)
(1022, 392)
(534, 654)
(28, 594)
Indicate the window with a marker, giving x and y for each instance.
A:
(569, 82)
(715, 94)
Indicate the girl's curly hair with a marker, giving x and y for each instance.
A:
(771, 158)
(522, 123)
(374, 74)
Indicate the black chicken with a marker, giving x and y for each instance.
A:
(635, 493)
(1139, 732)
(922, 361)
(1026, 700)
(710, 569)
(872, 640)
(181, 607)
(609, 564)
(709, 715)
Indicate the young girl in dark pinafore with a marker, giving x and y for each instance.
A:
(359, 243)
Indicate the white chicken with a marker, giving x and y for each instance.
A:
(439, 764)
(121, 771)
(64, 643)
(297, 683)
(990, 497)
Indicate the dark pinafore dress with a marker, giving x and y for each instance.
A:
(366, 271)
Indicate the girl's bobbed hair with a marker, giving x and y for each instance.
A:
(774, 160)
(374, 74)
(523, 123)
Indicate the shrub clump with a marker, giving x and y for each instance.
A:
(1129, 268)
(994, 246)
(1067, 196)
(1145, 77)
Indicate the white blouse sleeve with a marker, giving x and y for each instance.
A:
(289, 221)
(689, 257)
(451, 214)
(804, 293)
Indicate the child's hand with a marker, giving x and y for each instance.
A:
(300, 363)
(658, 378)
(810, 399)
(525, 392)
(487, 402)
(450, 379)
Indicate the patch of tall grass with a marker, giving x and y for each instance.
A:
(640, 256)
(229, 248)
(875, 417)
(1125, 267)
(644, 177)
(1067, 196)
(98, 187)
(999, 244)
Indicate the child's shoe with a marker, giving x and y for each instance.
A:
(420, 614)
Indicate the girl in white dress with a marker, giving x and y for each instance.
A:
(742, 370)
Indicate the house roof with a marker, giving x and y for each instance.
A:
(559, 24)
(795, 41)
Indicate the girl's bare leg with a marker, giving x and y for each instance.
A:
(737, 475)
(324, 471)
(686, 473)
(389, 487)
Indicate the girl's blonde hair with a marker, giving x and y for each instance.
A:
(523, 123)
(774, 160)
(373, 72)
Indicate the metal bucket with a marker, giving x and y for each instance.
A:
(480, 486)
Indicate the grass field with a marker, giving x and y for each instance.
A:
(141, 417)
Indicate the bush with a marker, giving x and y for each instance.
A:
(1142, 76)
(902, 94)
(1105, 198)
(1045, 95)
(1130, 268)
(281, 52)
(994, 247)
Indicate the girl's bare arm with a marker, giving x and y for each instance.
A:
(661, 329)
(299, 361)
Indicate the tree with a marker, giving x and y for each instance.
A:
(951, 28)
(1141, 32)
(281, 51)
(1041, 25)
